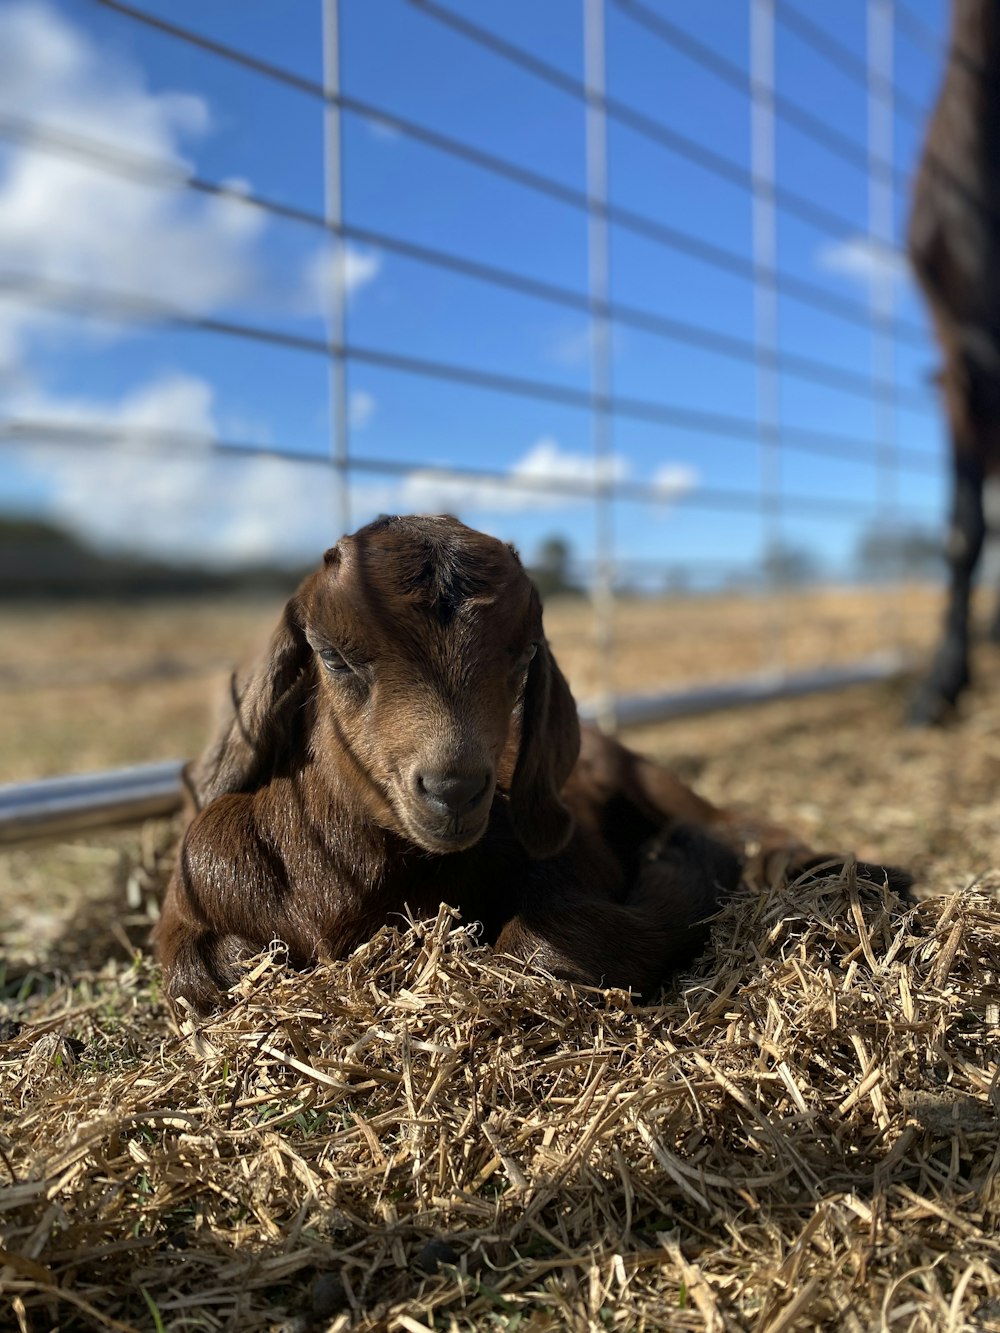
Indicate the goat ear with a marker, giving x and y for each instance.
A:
(258, 715)
(549, 746)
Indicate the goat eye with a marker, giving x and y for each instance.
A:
(524, 660)
(333, 662)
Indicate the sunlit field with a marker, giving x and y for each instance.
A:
(87, 686)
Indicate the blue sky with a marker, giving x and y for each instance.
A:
(110, 79)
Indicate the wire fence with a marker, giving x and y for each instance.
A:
(776, 194)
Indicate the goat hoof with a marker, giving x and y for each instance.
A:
(930, 709)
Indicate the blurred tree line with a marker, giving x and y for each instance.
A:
(552, 569)
(40, 559)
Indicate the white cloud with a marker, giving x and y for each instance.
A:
(322, 275)
(187, 501)
(360, 408)
(62, 220)
(546, 461)
(675, 479)
(571, 348)
(383, 130)
(172, 403)
(49, 66)
(865, 261)
(543, 467)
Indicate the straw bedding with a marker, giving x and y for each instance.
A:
(802, 1134)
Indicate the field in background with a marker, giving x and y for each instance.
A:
(90, 685)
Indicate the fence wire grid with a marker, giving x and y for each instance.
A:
(782, 152)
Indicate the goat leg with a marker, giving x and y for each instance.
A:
(201, 965)
(637, 943)
(949, 674)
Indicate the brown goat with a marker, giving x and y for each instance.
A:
(408, 740)
(954, 245)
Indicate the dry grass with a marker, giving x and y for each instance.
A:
(96, 686)
(802, 1135)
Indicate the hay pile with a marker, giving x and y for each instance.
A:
(802, 1135)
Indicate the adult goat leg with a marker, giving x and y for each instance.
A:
(993, 633)
(992, 509)
(949, 674)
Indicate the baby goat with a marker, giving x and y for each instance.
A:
(407, 739)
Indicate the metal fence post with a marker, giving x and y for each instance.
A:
(333, 192)
(882, 293)
(603, 593)
(765, 296)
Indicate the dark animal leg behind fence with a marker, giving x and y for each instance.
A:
(993, 633)
(949, 674)
(992, 507)
(954, 245)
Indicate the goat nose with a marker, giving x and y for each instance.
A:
(452, 793)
